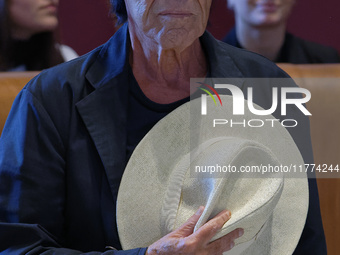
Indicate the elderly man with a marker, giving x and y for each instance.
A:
(73, 128)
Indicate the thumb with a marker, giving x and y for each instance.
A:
(188, 227)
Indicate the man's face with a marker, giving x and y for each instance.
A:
(169, 23)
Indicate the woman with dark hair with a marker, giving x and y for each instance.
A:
(260, 26)
(73, 128)
(27, 36)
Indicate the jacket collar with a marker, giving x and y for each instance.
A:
(111, 59)
(221, 64)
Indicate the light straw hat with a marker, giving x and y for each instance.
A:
(166, 180)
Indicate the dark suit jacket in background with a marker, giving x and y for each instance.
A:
(296, 50)
(63, 151)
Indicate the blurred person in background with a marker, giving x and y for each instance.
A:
(260, 26)
(27, 32)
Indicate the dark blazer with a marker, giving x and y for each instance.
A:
(63, 151)
(296, 50)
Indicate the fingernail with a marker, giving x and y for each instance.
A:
(232, 244)
(200, 210)
(228, 213)
(240, 232)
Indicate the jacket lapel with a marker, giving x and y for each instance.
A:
(104, 111)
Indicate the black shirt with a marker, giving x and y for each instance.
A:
(143, 114)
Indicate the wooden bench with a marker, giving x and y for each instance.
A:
(325, 130)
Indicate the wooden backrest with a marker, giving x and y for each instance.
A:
(10, 85)
(323, 81)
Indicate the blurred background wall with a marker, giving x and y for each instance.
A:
(86, 24)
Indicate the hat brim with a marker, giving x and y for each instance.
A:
(143, 186)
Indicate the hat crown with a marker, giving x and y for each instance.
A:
(250, 198)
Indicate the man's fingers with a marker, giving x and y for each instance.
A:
(183, 241)
(209, 229)
(188, 227)
(225, 243)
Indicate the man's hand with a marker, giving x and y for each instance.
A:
(184, 241)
